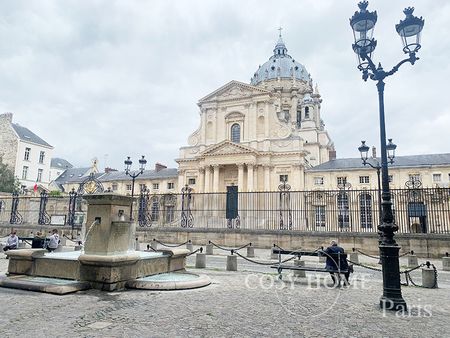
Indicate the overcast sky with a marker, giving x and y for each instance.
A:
(108, 79)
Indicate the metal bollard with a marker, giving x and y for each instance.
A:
(190, 246)
(231, 262)
(272, 254)
(250, 251)
(154, 244)
(412, 260)
(299, 273)
(63, 240)
(354, 256)
(200, 260)
(446, 262)
(137, 246)
(209, 249)
(428, 277)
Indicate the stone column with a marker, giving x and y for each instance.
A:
(250, 176)
(267, 178)
(207, 178)
(201, 179)
(241, 177)
(255, 178)
(181, 180)
(216, 178)
(297, 179)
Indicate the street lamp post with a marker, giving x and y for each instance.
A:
(133, 175)
(409, 29)
(364, 150)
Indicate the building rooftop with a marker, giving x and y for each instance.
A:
(60, 163)
(148, 174)
(280, 65)
(27, 135)
(412, 161)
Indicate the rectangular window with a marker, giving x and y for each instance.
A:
(342, 180)
(365, 209)
(320, 215)
(155, 186)
(414, 177)
(114, 187)
(364, 179)
(170, 185)
(437, 177)
(41, 157)
(129, 187)
(191, 181)
(170, 214)
(39, 177)
(26, 157)
(391, 178)
(24, 172)
(318, 180)
(283, 178)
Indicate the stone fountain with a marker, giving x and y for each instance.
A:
(108, 260)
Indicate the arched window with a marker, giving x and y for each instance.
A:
(155, 209)
(343, 208)
(306, 112)
(235, 133)
(365, 209)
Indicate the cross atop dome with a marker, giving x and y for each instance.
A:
(280, 47)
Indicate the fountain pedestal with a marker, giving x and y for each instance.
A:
(108, 260)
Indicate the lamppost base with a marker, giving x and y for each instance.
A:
(393, 304)
(392, 294)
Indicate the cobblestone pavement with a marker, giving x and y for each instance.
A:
(244, 303)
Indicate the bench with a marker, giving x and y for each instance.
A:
(34, 241)
(336, 257)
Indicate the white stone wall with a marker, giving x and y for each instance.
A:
(33, 163)
(8, 141)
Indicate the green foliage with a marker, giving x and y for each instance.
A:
(54, 193)
(8, 182)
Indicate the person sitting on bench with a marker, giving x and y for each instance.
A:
(53, 241)
(12, 242)
(333, 265)
(38, 241)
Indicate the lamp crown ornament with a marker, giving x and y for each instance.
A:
(408, 11)
(363, 6)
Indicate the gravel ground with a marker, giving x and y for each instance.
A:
(250, 302)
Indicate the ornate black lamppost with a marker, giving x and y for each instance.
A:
(133, 175)
(409, 29)
(364, 150)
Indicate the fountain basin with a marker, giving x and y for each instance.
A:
(104, 272)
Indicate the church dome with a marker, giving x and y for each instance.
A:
(280, 65)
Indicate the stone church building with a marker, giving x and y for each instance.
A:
(256, 135)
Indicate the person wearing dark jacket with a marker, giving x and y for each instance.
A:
(334, 265)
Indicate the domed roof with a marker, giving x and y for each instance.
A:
(280, 65)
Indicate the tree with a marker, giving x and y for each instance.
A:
(8, 182)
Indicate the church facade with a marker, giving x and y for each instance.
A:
(256, 135)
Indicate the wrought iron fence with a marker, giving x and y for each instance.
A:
(43, 210)
(416, 210)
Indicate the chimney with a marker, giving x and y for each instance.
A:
(374, 152)
(108, 170)
(159, 166)
(332, 154)
(6, 117)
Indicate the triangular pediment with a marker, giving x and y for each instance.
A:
(226, 148)
(234, 90)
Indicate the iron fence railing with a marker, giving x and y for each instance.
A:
(423, 210)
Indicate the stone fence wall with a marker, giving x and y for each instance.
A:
(424, 245)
